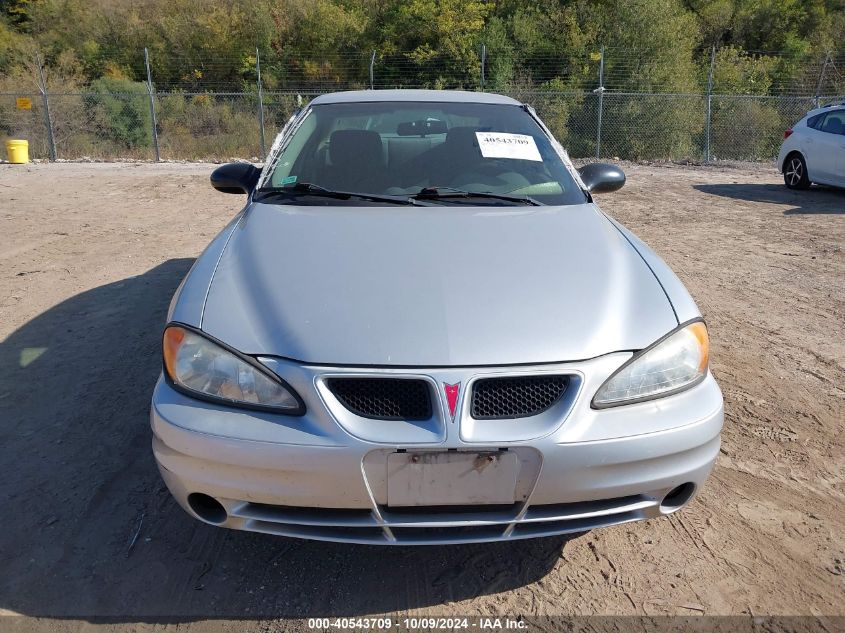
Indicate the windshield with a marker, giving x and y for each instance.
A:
(405, 148)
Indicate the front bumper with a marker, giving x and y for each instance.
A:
(323, 475)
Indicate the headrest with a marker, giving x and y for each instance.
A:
(354, 146)
(462, 136)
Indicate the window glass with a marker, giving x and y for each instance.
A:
(834, 122)
(399, 148)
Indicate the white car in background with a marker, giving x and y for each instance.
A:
(813, 150)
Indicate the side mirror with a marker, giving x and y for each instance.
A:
(601, 177)
(235, 177)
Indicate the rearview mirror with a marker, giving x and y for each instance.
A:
(602, 177)
(421, 127)
(235, 177)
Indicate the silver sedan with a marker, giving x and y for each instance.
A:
(421, 329)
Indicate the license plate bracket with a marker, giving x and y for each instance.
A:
(435, 478)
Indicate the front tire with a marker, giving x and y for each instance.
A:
(795, 172)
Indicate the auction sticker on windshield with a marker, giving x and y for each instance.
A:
(503, 145)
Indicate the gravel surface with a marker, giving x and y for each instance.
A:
(90, 255)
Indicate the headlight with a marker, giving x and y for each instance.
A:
(203, 368)
(674, 363)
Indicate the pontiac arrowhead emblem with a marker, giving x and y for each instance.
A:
(452, 392)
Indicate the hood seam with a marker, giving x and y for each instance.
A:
(217, 263)
(637, 251)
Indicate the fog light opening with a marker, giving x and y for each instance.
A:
(207, 508)
(677, 497)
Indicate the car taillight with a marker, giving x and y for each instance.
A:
(787, 133)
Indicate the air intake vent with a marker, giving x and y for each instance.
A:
(384, 398)
(515, 396)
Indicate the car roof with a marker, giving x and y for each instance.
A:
(433, 96)
(830, 107)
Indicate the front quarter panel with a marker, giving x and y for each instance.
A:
(680, 298)
(189, 299)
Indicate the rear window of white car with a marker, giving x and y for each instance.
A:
(832, 122)
(814, 121)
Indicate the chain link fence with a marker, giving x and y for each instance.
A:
(222, 126)
(751, 127)
(126, 119)
(24, 122)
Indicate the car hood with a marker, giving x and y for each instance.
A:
(432, 286)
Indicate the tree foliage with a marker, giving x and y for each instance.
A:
(198, 43)
(120, 111)
(544, 51)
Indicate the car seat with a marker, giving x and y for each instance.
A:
(459, 153)
(357, 160)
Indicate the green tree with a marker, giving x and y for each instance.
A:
(17, 12)
(120, 111)
(438, 39)
(740, 73)
(317, 42)
(15, 48)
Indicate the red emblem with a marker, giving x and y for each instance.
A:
(452, 392)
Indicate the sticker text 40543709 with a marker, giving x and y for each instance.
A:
(503, 145)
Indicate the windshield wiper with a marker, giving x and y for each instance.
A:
(441, 193)
(310, 189)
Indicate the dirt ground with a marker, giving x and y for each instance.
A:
(90, 255)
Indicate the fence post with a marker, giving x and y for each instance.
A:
(709, 119)
(483, 64)
(600, 91)
(260, 104)
(372, 70)
(817, 98)
(151, 93)
(48, 120)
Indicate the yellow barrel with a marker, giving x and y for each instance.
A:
(18, 151)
